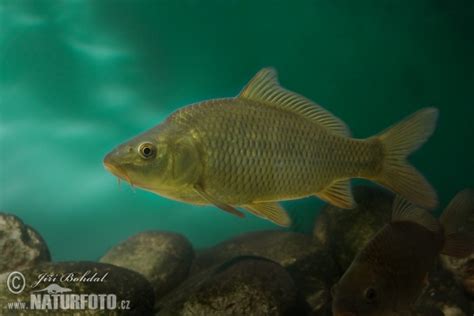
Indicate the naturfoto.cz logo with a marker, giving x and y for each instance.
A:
(16, 282)
(57, 297)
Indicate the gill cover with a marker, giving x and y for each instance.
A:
(185, 161)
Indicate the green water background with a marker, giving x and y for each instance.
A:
(79, 77)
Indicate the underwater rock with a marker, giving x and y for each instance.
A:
(463, 271)
(22, 247)
(306, 259)
(163, 258)
(346, 231)
(445, 294)
(90, 278)
(242, 286)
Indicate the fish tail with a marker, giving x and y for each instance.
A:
(398, 142)
(459, 214)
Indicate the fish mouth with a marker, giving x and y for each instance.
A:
(116, 170)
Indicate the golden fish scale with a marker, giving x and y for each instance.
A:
(253, 152)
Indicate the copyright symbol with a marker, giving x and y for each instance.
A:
(16, 282)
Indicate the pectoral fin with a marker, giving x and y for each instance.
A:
(339, 194)
(270, 211)
(225, 207)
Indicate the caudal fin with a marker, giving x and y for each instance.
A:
(459, 242)
(398, 142)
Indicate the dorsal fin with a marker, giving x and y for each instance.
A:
(458, 212)
(264, 87)
(404, 211)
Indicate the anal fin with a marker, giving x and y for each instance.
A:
(225, 207)
(270, 211)
(338, 194)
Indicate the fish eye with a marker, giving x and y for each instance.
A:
(147, 150)
(370, 294)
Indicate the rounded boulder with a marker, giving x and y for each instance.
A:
(163, 258)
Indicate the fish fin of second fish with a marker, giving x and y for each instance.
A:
(271, 211)
(338, 193)
(459, 214)
(264, 87)
(398, 142)
(225, 207)
(404, 211)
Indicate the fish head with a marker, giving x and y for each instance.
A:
(359, 292)
(156, 160)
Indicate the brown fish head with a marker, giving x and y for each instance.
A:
(360, 292)
(157, 160)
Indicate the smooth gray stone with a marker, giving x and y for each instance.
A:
(21, 246)
(163, 258)
(242, 286)
(305, 258)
